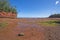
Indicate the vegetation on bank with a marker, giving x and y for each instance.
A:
(54, 16)
(50, 23)
(3, 24)
(6, 7)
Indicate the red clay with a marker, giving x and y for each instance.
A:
(16, 26)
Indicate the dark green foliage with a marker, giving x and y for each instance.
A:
(54, 16)
(13, 10)
(58, 22)
(6, 7)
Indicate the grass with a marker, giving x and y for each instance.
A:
(50, 23)
(3, 24)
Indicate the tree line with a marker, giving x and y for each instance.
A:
(6, 6)
(55, 16)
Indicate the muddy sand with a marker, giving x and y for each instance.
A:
(32, 31)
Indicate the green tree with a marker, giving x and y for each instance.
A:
(13, 10)
(6, 7)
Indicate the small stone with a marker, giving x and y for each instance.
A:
(21, 34)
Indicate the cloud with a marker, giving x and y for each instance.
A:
(57, 2)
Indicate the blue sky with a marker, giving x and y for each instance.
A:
(36, 8)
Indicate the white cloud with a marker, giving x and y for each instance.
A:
(57, 2)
